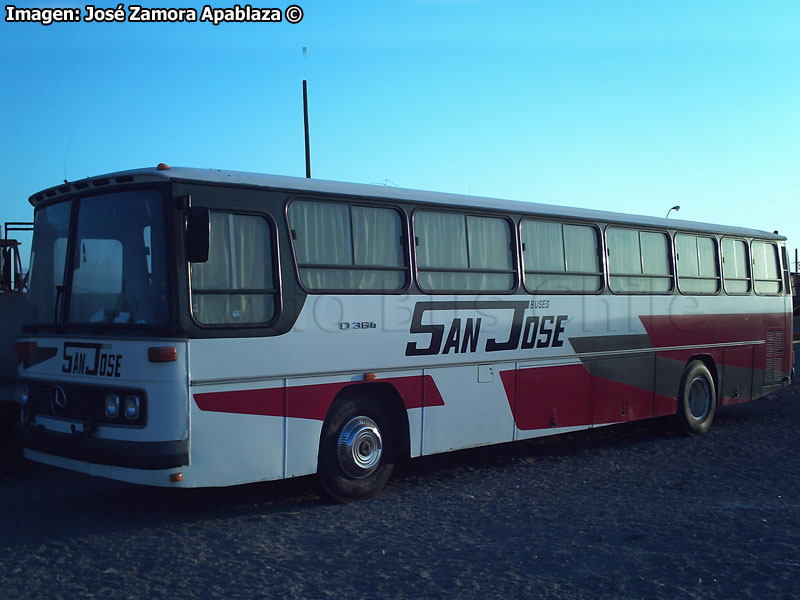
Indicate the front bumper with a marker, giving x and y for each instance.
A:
(78, 446)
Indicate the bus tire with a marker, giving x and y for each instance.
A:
(357, 450)
(697, 400)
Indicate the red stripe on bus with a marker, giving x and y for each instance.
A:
(545, 397)
(664, 405)
(745, 357)
(614, 401)
(569, 396)
(246, 402)
(312, 401)
(698, 330)
(412, 395)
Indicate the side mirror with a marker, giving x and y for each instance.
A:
(198, 233)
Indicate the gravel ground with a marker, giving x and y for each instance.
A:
(630, 511)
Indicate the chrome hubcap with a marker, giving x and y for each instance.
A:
(699, 399)
(360, 446)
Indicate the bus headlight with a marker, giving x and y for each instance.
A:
(112, 406)
(22, 394)
(131, 407)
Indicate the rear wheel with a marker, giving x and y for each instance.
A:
(697, 400)
(357, 450)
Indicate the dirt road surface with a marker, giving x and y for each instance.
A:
(628, 511)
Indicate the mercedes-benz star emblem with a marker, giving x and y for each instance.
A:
(59, 402)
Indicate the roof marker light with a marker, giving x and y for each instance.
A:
(163, 167)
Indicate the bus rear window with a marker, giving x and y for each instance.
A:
(237, 284)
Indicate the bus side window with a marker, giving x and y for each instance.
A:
(698, 270)
(236, 286)
(638, 261)
(766, 268)
(561, 257)
(340, 246)
(463, 253)
(735, 266)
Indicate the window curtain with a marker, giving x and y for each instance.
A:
(378, 242)
(215, 274)
(544, 249)
(442, 244)
(322, 233)
(557, 248)
(655, 253)
(333, 234)
(460, 242)
(239, 257)
(707, 249)
(697, 257)
(489, 247)
(253, 263)
(580, 248)
(624, 258)
(252, 266)
(656, 261)
(631, 253)
(624, 255)
(686, 247)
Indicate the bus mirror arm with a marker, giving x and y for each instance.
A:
(198, 231)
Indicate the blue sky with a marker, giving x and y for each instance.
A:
(625, 106)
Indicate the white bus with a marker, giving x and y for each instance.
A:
(335, 328)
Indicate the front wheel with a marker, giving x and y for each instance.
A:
(697, 400)
(357, 450)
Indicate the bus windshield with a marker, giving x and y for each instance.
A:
(116, 272)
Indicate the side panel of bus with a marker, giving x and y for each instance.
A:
(258, 409)
(469, 369)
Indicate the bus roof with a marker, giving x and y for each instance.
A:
(321, 186)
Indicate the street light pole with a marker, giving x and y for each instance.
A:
(675, 208)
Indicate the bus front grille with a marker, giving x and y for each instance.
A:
(79, 402)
